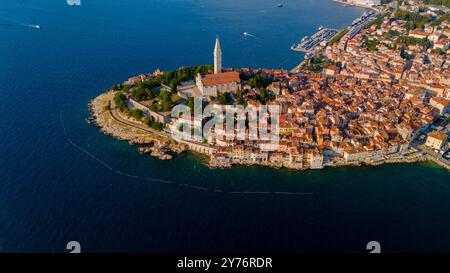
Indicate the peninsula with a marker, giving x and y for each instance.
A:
(374, 93)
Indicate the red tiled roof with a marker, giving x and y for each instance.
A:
(418, 32)
(221, 78)
(438, 135)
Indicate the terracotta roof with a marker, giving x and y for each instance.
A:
(221, 78)
(438, 135)
(418, 32)
(440, 100)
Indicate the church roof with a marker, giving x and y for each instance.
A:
(221, 78)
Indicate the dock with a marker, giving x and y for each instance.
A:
(359, 24)
(309, 44)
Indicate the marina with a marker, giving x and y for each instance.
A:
(359, 23)
(309, 44)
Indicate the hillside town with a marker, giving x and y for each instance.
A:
(377, 95)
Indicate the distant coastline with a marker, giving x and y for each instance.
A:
(343, 2)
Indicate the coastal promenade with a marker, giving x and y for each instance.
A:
(115, 115)
(431, 155)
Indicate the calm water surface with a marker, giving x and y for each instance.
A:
(51, 192)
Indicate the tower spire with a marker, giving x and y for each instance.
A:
(217, 57)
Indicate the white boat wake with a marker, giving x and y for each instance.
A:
(12, 23)
(246, 34)
(32, 26)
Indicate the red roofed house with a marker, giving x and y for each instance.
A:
(418, 33)
(436, 140)
(331, 70)
(440, 103)
(442, 43)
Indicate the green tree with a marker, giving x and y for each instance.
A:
(240, 98)
(371, 45)
(136, 113)
(120, 100)
(223, 98)
(165, 100)
(139, 93)
(150, 94)
(190, 104)
(173, 86)
(259, 80)
(265, 95)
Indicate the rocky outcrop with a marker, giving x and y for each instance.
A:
(157, 145)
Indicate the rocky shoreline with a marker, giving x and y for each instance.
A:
(157, 145)
(224, 165)
(163, 147)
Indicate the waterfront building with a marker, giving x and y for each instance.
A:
(436, 140)
(313, 158)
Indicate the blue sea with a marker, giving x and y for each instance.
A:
(62, 180)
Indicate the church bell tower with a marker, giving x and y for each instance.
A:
(217, 57)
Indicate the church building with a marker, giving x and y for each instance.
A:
(219, 82)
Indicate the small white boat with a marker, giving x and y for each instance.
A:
(280, 5)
